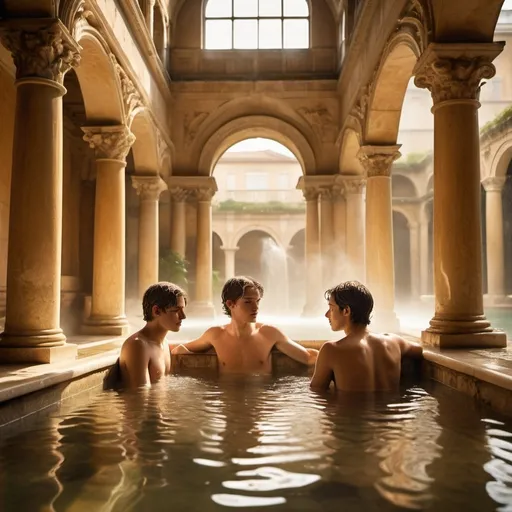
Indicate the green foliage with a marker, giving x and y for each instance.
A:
(501, 119)
(173, 267)
(230, 205)
(413, 158)
(217, 284)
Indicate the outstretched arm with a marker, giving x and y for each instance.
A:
(288, 346)
(409, 348)
(201, 344)
(323, 371)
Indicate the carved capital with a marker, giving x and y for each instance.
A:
(326, 194)
(494, 183)
(455, 71)
(377, 160)
(40, 48)
(148, 188)
(355, 185)
(109, 142)
(202, 194)
(339, 190)
(132, 100)
(179, 194)
(311, 193)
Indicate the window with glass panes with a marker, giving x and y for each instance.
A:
(256, 24)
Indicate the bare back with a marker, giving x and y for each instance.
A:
(371, 362)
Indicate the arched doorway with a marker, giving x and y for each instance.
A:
(402, 252)
(260, 257)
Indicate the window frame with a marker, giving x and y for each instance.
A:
(257, 18)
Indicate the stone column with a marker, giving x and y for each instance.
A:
(149, 16)
(148, 189)
(339, 271)
(453, 72)
(314, 297)
(43, 51)
(380, 272)
(203, 305)
(111, 145)
(178, 227)
(229, 261)
(495, 251)
(424, 254)
(326, 237)
(355, 189)
(414, 238)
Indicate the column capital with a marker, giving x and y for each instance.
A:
(40, 48)
(229, 249)
(326, 194)
(179, 194)
(354, 185)
(377, 160)
(494, 183)
(202, 194)
(312, 186)
(148, 188)
(109, 142)
(453, 71)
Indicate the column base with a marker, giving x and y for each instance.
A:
(385, 322)
(200, 310)
(110, 326)
(489, 339)
(38, 354)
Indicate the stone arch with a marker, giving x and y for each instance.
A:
(248, 229)
(502, 156)
(350, 145)
(388, 91)
(430, 184)
(97, 66)
(294, 235)
(402, 186)
(220, 235)
(248, 127)
(404, 212)
(145, 147)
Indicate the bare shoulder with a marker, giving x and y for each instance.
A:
(271, 332)
(134, 345)
(214, 333)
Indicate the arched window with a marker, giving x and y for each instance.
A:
(256, 24)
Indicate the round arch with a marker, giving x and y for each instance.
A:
(430, 183)
(295, 237)
(405, 213)
(403, 186)
(248, 127)
(350, 146)
(96, 66)
(251, 228)
(145, 147)
(393, 75)
(502, 157)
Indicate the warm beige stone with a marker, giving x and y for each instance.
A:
(178, 226)
(326, 236)
(229, 258)
(42, 54)
(148, 189)
(111, 145)
(452, 72)
(380, 274)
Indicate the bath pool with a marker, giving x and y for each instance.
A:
(198, 444)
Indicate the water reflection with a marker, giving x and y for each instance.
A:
(206, 444)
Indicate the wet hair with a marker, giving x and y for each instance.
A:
(357, 297)
(234, 289)
(164, 295)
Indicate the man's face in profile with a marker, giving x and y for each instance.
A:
(172, 317)
(246, 307)
(335, 316)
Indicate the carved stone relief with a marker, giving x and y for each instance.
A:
(191, 123)
(109, 142)
(321, 121)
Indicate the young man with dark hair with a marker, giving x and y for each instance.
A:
(361, 361)
(243, 345)
(145, 355)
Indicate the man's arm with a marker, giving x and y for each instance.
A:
(201, 344)
(409, 348)
(288, 346)
(134, 364)
(323, 371)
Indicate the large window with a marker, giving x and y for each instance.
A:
(256, 24)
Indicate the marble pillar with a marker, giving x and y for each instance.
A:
(339, 271)
(495, 247)
(327, 237)
(355, 198)
(229, 261)
(453, 73)
(414, 240)
(111, 145)
(424, 256)
(380, 272)
(178, 227)
(148, 189)
(43, 51)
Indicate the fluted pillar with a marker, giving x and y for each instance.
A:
(148, 189)
(414, 241)
(355, 198)
(312, 256)
(495, 250)
(326, 236)
(111, 145)
(203, 305)
(229, 261)
(380, 272)
(43, 51)
(178, 227)
(453, 72)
